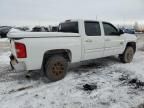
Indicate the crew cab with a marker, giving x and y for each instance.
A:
(75, 41)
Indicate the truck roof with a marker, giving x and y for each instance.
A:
(73, 20)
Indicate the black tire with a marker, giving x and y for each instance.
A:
(56, 68)
(127, 56)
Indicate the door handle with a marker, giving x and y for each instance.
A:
(121, 42)
(107, 39)
(88, 40)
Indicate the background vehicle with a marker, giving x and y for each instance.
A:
(4, 30)
(40, 29)
(54, 29)
(23, 28)
(129, 31)
(77, 40)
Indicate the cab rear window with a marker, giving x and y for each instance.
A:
(70, 27)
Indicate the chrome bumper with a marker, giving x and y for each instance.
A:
(17, 66)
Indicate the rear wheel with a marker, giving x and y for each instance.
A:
(56, 67)
(127, 56)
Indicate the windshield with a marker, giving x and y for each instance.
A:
(71, 27)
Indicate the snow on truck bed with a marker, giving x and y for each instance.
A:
(117, 85)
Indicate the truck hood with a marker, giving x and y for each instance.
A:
(40, 34)
(129, 37)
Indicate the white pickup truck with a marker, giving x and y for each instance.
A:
(75, 41)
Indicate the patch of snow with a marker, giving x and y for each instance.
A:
(4, 58)
(69, 93)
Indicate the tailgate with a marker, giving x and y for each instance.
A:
(12, 47)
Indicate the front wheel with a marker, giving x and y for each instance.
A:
(56, 67)
(127, 56)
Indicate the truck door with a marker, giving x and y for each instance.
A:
(114, 43)
(93, 41)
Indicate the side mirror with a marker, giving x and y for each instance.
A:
(121, 32)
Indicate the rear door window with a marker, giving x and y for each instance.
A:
(92, 28)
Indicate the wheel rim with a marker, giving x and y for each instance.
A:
(129, 55)
(57, 70)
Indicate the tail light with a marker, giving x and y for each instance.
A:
(20, 50)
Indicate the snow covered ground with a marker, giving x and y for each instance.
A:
(118, 85)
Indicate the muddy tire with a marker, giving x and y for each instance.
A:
(127, 56)
(56, 68)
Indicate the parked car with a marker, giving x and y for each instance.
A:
(40, 29)
(22, 28)
(129, 31)
(76, 41)
(4, 30)
(55, 29)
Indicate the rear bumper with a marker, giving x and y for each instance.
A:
(17, 66)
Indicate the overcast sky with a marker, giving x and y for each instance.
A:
(45, 11)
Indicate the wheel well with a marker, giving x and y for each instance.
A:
(132, 44)
(66, 53)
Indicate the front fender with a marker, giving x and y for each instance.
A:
(129, 37)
